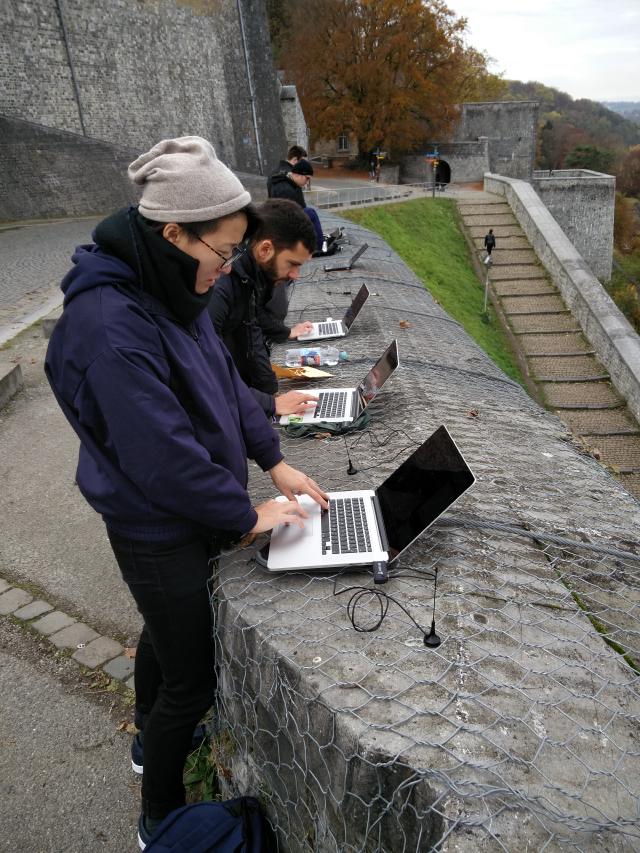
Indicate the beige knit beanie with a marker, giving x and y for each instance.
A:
(183, 181)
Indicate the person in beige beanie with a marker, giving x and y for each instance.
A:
(166, 426)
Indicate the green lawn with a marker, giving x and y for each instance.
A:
(426, 235)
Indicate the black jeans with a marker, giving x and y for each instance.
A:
(175, 675)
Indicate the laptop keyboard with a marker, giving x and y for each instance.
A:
(344, 527)
(328, 328)
(331, 404)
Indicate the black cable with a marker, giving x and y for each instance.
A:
(360, 593)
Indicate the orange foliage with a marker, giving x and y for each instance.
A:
(389, 71)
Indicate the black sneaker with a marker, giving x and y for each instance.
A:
(146, 828)
(200, 734)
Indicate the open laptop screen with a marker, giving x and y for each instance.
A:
(356, 306)
(357, 254)
(421, 489)
(379, 373)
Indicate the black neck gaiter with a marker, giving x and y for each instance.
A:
(166, 272)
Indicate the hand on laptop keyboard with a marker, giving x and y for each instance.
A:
(274, 512)
(300, 329)
(291, 482)
(295, 402)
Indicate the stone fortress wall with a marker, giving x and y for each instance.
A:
(468, 161)
(583, 202)
(510, 127)
(128, 74)
(492, 136)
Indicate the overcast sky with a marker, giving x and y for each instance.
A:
(588, 48)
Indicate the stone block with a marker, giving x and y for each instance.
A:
(13, 599)
(53, 622)
(11, 382)
(97, 652)
(73, 635)
(48, 325)
(120, 667)
(130, 683)
(31, 611)
(4, 585)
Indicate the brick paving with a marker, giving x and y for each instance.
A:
(559, 358)
(64, 632)
(35, 257)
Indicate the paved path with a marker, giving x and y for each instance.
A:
(559, 359)
(34, 256)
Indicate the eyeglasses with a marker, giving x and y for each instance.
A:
(237, 253)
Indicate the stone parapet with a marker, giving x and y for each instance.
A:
(611, 335)
(583, 203)
(518, 731)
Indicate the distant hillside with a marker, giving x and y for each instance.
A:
(629, 109)
(566, 124)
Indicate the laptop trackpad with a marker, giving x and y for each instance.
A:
(289, 534)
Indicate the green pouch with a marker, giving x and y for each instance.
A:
(300, 430)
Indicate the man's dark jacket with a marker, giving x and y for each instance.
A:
(280, 186)
(248, 311)
(165, 422)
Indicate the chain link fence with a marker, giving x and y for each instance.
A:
(521, 730)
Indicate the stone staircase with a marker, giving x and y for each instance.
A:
(571, 380)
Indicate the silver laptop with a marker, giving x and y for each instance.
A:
(342, 405)
(362, 527)
(338, 328)
(348, 264)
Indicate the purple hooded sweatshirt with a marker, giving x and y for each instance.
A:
(165, 422)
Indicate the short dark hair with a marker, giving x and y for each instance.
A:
(284, 223)
(302, 167)
(296, 151)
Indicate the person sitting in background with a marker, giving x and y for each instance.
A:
(290, 185)
(253, 292)
(294, 155)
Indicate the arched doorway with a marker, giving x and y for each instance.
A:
(443, 174)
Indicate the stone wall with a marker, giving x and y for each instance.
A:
(511, 130)
(583, 203)
(468, 161)
(48, 173)
(295, 126)
(159, 68)
(611, 335)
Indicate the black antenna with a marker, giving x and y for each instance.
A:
(432, 640)
(350, 469)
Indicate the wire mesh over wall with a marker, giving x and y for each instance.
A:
(521, 731)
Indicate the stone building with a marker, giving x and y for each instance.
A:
(492, 136)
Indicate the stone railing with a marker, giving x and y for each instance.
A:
(352, 196)
(605, 326)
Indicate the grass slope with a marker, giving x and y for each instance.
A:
(623, 287)
(426, 235)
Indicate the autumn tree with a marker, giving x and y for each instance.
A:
(389, 71)
(629, 175)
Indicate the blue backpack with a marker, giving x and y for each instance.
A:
(232, 826)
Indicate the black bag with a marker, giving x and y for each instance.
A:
(232, 826)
